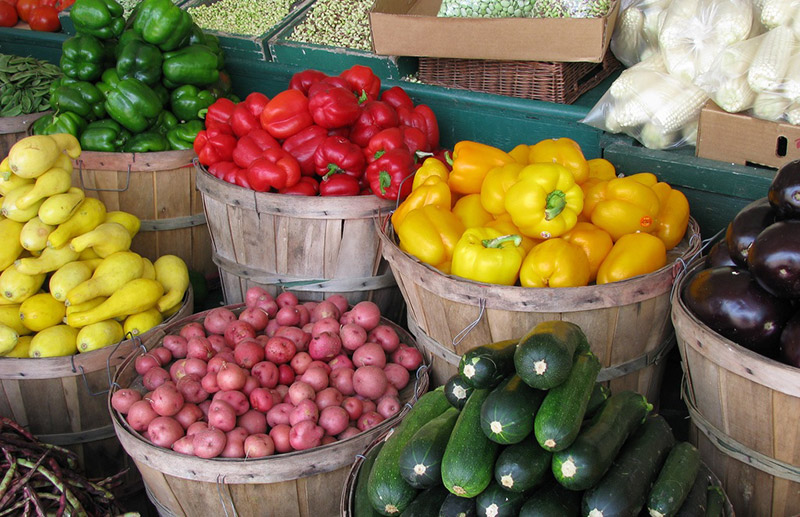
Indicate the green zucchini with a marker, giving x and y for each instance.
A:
(455, 506)
(362, 507)
(561, 414)
(507, 414)
(427, 503)
(522, 466)
(421, 458)
(582, 464)
(484, 366)
(496, 501)
(697, 500)
(468, 461)
(388, 492)
(457, 391)
(544, 356)
(600, 394)
(623, 490)
(674, 481)
(552, 500)
(715, 506)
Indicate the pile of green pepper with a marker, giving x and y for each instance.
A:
(136, 87)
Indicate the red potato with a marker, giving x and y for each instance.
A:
(368, 420)
(367, 314)
(280, 391)
(300, 390)
(164, 355)
(155, 377)
(176, 344)
(217, 319)
(316, 377)
(200, 425)
(305, 410)
(369, 354)
(272, 327)
(280, 437)
(188, 366)
(248, 352)
(231, 376)
(341, 361)
(266, 372)
(305, 435)
(258, 445)
(329, 397)
(308, 327)
(279, 414)
(352, 336)
(256, 317)
(199, 348)
(286, 375)
(191, 387)
(140, 414)
(385, 336)
(216, 362)
(164, 431)
(310, 304)
(122, 399)
(237, 331)
(408, 357)
(145, 362)
(208, 443)
(249, 385)
(236, 399)
(354, 407)
(188, 414)
(305, 316)
(204, 407)
(268, 305)
(326, 439)
(253, 293)
(226, 355)
(370, 381)
(221, 416)
(397, 375)
(286, 299)
(368, 405)
(166, 400)
(391, 391)
(209, 382)
(334, 419)
(298, 336)
(218, 343)
(192, 329)
(316, 363)
(288, 315)
(323, 310)
(340, 302)
(325, 325)
(300, 362)
(279, 349)
(388, 406)
(325, 346)
(234, 445)
(261, 399)
(348, 433)
(342, 380)
(183, 445)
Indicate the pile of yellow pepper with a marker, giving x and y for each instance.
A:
(539, 214)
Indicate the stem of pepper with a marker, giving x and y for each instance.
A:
(554, 205)
(498, 242)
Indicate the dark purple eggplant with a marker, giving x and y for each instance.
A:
(746, 225)
(790, 341)
(784, 191)
(730, 301)
(719, 255)
(774, 258)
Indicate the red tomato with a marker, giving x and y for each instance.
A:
(45, 18)
(8, 15)
(24, 8)
(12, 2)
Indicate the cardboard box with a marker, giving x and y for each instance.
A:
(411, 28)
(745, 140)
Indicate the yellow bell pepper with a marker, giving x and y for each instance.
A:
(564, 151)
(505, 226)
(496, 184)
(430, 167)
(471, 162)
(595, 242)
(434, 191)
(555, 263)
(673, 217)
(430, 233)
(520, 153)
(621, 206)
(633, 254)
(601, 169)
(545, 201)
(471, 212)
(485, 255)
(645, 178)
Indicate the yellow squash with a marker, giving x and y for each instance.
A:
(135, 296)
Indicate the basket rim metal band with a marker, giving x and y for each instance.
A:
(173, 223)
(369, 283)
(91, 435)
(735, 449)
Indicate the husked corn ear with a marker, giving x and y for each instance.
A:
(793, 114)
(631, 113)
(775, 13)
(795, 24)
(736, 59)
(628, 37)
(770, 106)
(679, 108)
(653, 136)
(771, 60)
(652, 16)
(632, 82)
(732, 21)
(791, 82)
(735, 95)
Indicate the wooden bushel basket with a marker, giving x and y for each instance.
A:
(159, 189)
(62, 400)
(627, 322)
(745, 411)
(14, 129)
(311, 245)
(295, 484)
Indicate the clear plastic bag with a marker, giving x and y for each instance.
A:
(635, 35)
(726, 79)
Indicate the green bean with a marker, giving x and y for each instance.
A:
(25, 85)
(245, 17)
(336, 23)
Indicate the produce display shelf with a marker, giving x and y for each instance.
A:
(38, 44)
(331, 59)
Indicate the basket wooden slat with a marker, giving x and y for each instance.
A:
(14, 129)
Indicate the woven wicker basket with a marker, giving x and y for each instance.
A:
(555, 82)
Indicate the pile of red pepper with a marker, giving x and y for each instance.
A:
(324, 135)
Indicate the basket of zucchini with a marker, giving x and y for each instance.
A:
(524, 429)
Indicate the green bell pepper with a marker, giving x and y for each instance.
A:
(82, 57)
(162, 23)
(166, 120)
(193, 64)
(66, 122)
(108, 80)
(182, 136)
(140, 60)
(104, 135)
(133, 104)
(100, 18)
(186, 101)
(223, 86)
(61, 81)
(198, 37)
(82, 98)
(162, 92)
(147, 142)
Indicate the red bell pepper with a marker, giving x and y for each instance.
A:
(339, 184)
(276, 169)
(338, 154)
(397, 98)
(251, 147)
(422, 118)
(327, 82)
(239, 177)
(303, 145)
(362, 81)
(304, 80)
(391, 175)
(389, 138)
(219, 114)
(415, 139)
(286, 114)
(214, 145)
(333, 107)
(246, 114)
(375, 115)
(307, 186)
(221, 169)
